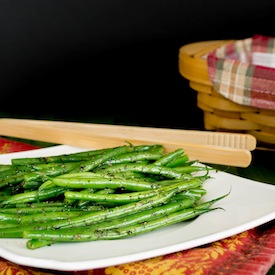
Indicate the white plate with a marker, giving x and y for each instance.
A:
(249, 204)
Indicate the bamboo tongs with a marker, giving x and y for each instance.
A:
(223, 148)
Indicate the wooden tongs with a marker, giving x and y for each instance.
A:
(223, 148)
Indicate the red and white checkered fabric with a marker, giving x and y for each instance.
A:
(244, 71)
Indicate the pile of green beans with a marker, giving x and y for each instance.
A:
(104, 194)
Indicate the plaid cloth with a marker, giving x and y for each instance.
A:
(244, 71)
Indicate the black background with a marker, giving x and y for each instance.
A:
(112, 61)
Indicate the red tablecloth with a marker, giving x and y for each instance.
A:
(251, 252)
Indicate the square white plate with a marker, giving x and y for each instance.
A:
(249, 204)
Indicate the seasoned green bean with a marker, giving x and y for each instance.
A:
(14, 170)
(164, 160)
(27, 210)
(103, 194)
(89, 165)
(56, 170)
(133, 157)
(148, 169)
(191, 169)
(91, 218)
(59, 159)
(102, 183)
(121, 232)
(133, 196)
(13, 179)
(179, 161)
(33, 196)
(128, 220)
(4, 167)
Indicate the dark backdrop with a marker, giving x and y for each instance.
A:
(112, 61)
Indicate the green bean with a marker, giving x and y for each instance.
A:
(137, 148)
(72, 202)
(129, 175)
(168, 182)
(133, 157)
(87, 159)
(38, 204)
(48, 216)
(36, 210)
(102, 183)
(164, 160)
(131, 219)
(89, 165)
(191, 169)
(29, 210)
(150, 169)
(46, 206)
(13, 179)
(48, 183)
(4, 167)
(37, 243)
(179, 161)
(133, 230)
(195, 193)
(43, 175)
(80, 175)
(118, 233)
(83, 203)
(14, 170)
(13, 220)
(109, 193)
(31, 185)
(141, 216)
(79, 156)
(154, 147)
(91, 218)
(45, 166)
(132, 196)
(5, 217)
(33, 196)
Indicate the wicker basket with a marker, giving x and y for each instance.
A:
(220, 113)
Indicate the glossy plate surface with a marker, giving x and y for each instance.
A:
(249, 204)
